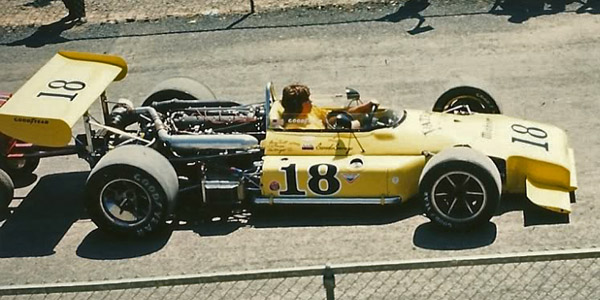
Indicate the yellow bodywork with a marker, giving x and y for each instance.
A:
(356, 176)
(46, 107)
(536, 157)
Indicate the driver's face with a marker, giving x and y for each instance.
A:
(306, 106)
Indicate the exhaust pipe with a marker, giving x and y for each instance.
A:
(198, 142)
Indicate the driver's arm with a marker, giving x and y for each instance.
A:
(362, 108)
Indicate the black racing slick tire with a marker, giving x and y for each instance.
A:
(461, 188)
(457, 99)
(131, 191)
(181, 88)
(7, 189)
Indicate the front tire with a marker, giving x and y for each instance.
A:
(131, 191)
(458, 99)
(461, 188)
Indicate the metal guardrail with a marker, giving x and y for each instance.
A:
(533, 273)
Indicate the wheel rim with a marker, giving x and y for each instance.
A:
(459, 196)
(125, 202)
(473, 102)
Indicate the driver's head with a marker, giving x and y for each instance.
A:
(295, 98)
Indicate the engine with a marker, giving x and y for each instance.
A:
(214, 147)
(193, 125)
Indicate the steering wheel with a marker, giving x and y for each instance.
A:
(339, 120)
(369, 122)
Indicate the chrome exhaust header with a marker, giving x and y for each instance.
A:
(199, 141)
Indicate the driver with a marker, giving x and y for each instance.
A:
(300, 113)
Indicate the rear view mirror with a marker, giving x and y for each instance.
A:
(352, 94)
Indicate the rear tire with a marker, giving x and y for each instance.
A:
(7, 189)
(182, 88)
(461, 188)
(132, 191)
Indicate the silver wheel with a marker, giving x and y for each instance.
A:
(125, 202)
(132, 190)
(459, 196)
(461, 188)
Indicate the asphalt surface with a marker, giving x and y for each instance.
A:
(544, 68)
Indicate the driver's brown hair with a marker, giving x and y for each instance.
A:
(293, 96)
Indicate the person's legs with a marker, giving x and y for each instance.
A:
(69, 5)
(80, 8)
(76, 10)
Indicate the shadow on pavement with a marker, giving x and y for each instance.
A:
(302, 216)
(100, 245)
(591, 6)
(38, 224)
(431, 236)
(338, 215)
(410, 10)
(523, 10)
(23, 181)
(518, 11)
(38, 3)
(43, 218)
(45, 35)
(532, 214)
(428, 235)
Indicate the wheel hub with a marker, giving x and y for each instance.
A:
(459, 196)
(125, 202)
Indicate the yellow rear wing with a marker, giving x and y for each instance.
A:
(46, 107)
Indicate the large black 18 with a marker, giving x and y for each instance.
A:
(291, 182)
(537, 134)
(314, 182)
(65, 85)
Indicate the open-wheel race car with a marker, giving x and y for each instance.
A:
(458, 159)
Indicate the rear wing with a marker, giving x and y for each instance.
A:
(44, 110)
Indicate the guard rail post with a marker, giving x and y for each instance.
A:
(329, 282)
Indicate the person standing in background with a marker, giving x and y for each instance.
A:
(76, 11)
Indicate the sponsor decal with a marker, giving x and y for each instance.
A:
(350, 177)
(274, 186)
(308, 147)
(30, 120)
(426, 125)
(297, 121)
(395, 180)
(487, 129)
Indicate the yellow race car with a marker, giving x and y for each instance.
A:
(458, 159)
